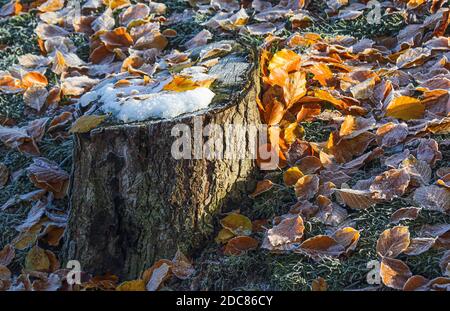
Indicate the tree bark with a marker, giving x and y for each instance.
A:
(133, 203)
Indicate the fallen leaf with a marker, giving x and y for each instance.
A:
(182, 267)
(237, 223)
(433, 198)
(393, 242)
(405, 213)
(288, 231)
(37, 260)
(307, 187)
(292, 175)
(394, 273)
(132, 286)
(405, 108)
(356, 199)
(239, 245)
(86, 123)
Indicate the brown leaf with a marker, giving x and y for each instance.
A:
(321, 246)
(405, 213)
(356, 199)
(182, 267)
(416, 283)
(239, 245)
(49, 176)
(348, 237)
(392, 134)
(390, 184)
(288, 231)
(433, 198)
(428, 151)
(158, 276)
(261, 187)
(307, 187)
(419, 246)
(309, 165)
(393, 242)
(394, 273)
(35, 97)
(292, 175)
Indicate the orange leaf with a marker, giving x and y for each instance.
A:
(405, 108)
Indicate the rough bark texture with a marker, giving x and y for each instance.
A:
(133, 203)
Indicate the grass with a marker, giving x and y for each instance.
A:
(18, 37)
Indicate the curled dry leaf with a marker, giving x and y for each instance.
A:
(288, 231)
(238, 224)
(348, 237)
(48, 175)
(392, 242)
(418, 170)
(307, 187)
(345, 149)
(394, 273)
(433, 198)
(390, 184)
(354, 126)
(239, 245)
(261, 187)
(428, 151)
(444, 181)
(405, 213)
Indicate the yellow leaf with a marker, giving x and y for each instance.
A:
(37, 260)
(238, 224)
(223, 236)
(181, 84)
(132, 286)
(86, 123)
(405, 108)
(292, 175)
(286, 60)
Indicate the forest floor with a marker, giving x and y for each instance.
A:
(257, 269)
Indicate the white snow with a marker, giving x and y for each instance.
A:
(141, 102)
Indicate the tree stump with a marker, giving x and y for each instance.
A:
(132, 203)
